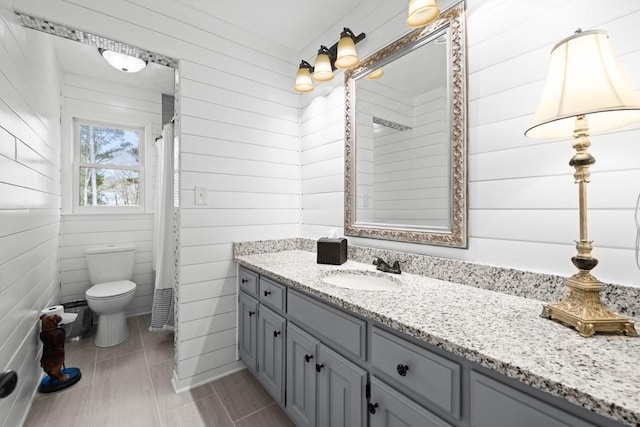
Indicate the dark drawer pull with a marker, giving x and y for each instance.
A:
(372, 407)
(276, 333)
(245, 280)
(267, 293)
(251, 313)
(319, 367)
(308, 357)
(402, 370)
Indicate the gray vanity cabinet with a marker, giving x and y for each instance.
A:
(248, 335)
(271, 342)
(494, 404)
(389, 408)
(301, 376)
(341, 386)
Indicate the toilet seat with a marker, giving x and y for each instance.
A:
(111, 289)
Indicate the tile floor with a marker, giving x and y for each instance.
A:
(130, 385)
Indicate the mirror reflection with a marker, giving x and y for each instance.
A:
(406, 139)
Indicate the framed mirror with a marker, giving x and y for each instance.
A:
(406, 138)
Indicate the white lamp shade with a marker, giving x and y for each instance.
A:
(122, 62)
(422, 12)
(347, 56)
(303, 81)
(584, 79)
(322, 68)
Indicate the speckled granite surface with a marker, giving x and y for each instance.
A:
(500, 331)
(545, 287)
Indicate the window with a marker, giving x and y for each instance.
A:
(109, 165)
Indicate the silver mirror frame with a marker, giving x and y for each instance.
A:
(457, 235)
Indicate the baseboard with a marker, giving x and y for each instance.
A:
(189, 383)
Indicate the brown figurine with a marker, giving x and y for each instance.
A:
(52, 338)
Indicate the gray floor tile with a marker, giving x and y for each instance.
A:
(135, 411)
(241, 394)
(167, 399)
(207, 412)
(120, 377)
(70, 407)
(271, 416)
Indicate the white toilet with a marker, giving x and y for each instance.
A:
(110, 269)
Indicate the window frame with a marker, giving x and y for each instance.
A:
(77, 164)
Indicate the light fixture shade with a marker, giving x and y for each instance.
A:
(375, 74)
(303, 79)
(584, 79)
(122, 62)
(347, 56)
(422, 12)
(322, 68)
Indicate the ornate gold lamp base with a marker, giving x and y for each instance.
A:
(583, 310)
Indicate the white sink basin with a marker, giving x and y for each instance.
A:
(362, 280)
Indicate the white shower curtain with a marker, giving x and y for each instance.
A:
(162, 310)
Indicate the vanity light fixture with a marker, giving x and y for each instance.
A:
(422, 13)
(122, 62)
(347, 55)
(375, 74)
(323, 68)
(341, 54)
(585, 93)
(303, 78)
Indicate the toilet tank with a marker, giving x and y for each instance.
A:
(110, 263)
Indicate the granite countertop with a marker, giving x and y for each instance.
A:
(499, 331)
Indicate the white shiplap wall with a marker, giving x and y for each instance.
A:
(29, 203)
(522, 200)
(92, 99)
(239, 136)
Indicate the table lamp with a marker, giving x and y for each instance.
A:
(585, 92)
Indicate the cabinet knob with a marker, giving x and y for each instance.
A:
(402, 370)
(267, 293)
(308, 357)
(251, 313)
(276, 333)
(319, 367)
(372, 407)
(244, 280)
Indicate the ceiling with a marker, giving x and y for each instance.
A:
(82, 59)
(290, 23)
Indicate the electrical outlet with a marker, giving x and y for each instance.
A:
(200, 196)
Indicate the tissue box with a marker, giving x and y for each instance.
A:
(332, 251)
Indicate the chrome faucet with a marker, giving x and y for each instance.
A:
(382, 265)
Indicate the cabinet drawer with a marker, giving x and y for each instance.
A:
(432, 378)
(341, 329)
(494, 404)
(248, 281)
(272, 293)
(388, 407)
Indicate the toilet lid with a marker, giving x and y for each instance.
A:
(111, 289)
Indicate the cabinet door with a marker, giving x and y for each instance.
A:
(248, 332)
(271, 340)
(301, 376)
(389, 408)
(341, 391)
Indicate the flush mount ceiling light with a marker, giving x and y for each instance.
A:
(422, 13)
(341, 54)
(122, 62)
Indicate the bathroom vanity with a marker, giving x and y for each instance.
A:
(424, 353)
